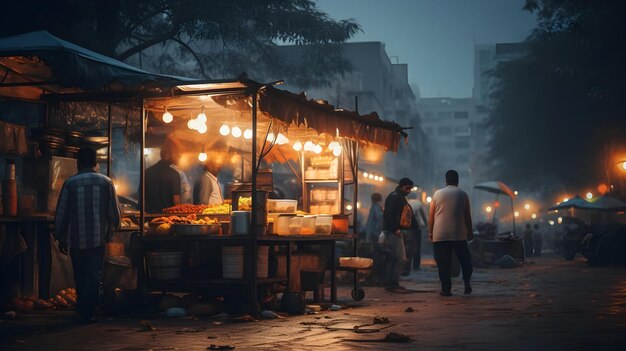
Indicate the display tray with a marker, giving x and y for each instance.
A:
(196, 229)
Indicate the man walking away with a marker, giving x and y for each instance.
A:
(450, 227)
(398, 222)
(87, 211)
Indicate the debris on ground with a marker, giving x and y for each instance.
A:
(334, 308)
(10, 315)
(409, 309)
(270, 314)
(390, 337)
(188, 330)
(381, 320)
(174, 312)
(220, 347)
(244, 318)
(146, 326)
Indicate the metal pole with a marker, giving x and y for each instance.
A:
(142, 171)
(513, 211)
(110, 147)
(254, 214)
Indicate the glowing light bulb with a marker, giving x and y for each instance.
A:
(202, 156)
(371, 176)
(376, 178)
(533, 216)
(147, 152)
(349, 207)
(516, 214)
(201, 117)
(565, 199)
(488, 209)
(429, 199)
(337, 152)
(559, 220)
(516, 192)
(317, 149)
(192, 124)
(365, 174)
(236, 132)
(167, 117)
(333, 145)
(527, 206)
(358, 204)
(589, 195)
(551, 222)
(202, 128)
(281, 139)
(380, 179)
(309, 146)
(224, 129)
(247, 134)
(297, 145)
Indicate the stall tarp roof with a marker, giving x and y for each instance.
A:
(575, 202)
(39, 62)
(496, 187)
(324, 118)
(608, 203)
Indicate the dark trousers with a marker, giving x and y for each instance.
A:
(443, 257)
(87, 265)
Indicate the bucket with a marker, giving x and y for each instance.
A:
(232, 262)
(165, 265)
(262, 262)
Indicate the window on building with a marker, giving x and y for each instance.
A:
(461, 144)
(462, 130)
(444, 130)
(444, 114)
(462, 158)
(461, 115)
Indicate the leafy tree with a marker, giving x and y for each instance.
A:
(221, 38)
(558, 112)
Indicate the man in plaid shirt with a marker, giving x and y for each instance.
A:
(87, 212)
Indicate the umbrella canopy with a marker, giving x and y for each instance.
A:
(38, 62)
(608, 203)
(575, 202)
(496, 187)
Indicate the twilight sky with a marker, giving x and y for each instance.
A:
(435, 37)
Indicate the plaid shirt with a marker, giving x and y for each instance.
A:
(87, 210)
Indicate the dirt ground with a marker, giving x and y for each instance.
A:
(545, 304)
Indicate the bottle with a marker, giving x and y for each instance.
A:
(9, 190)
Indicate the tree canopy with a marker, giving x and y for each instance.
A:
(214, 38)
(558, 112)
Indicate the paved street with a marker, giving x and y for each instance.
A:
(548, 304)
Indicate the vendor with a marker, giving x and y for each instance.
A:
(163, 183)
(207, 189)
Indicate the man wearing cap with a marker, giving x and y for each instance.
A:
(398, 221)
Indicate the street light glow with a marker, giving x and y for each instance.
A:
(516, 214)
(527, 206)
(429, 199)
(565, 199)
(488, 209)
(559, 220)
(533, 216)
(589, 195)
(516, 192)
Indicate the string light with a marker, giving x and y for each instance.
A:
(365, 174)
(297, 145)
(533, 216)
(371, 176)
(376, 178)
(317, 149)
(516, 214)
(337, 152)
(488, 209)
(380, 179)
(429, 199)
(167, 116)
(202, 156)
(247, 134)
(236, 132)
(224, 129)
(201, 116)
(202, 128)
(333, 145)
(192, 124)
(309, 146)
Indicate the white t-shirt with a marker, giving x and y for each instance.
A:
(450, 206)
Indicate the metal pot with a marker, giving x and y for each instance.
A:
(240, 222)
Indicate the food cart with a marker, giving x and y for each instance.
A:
(147, 106)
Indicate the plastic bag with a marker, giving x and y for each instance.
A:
(381, 238)
(61, 271)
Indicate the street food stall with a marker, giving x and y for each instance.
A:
(92, 99)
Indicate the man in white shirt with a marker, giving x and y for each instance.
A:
(450, 227)
(207, 189)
